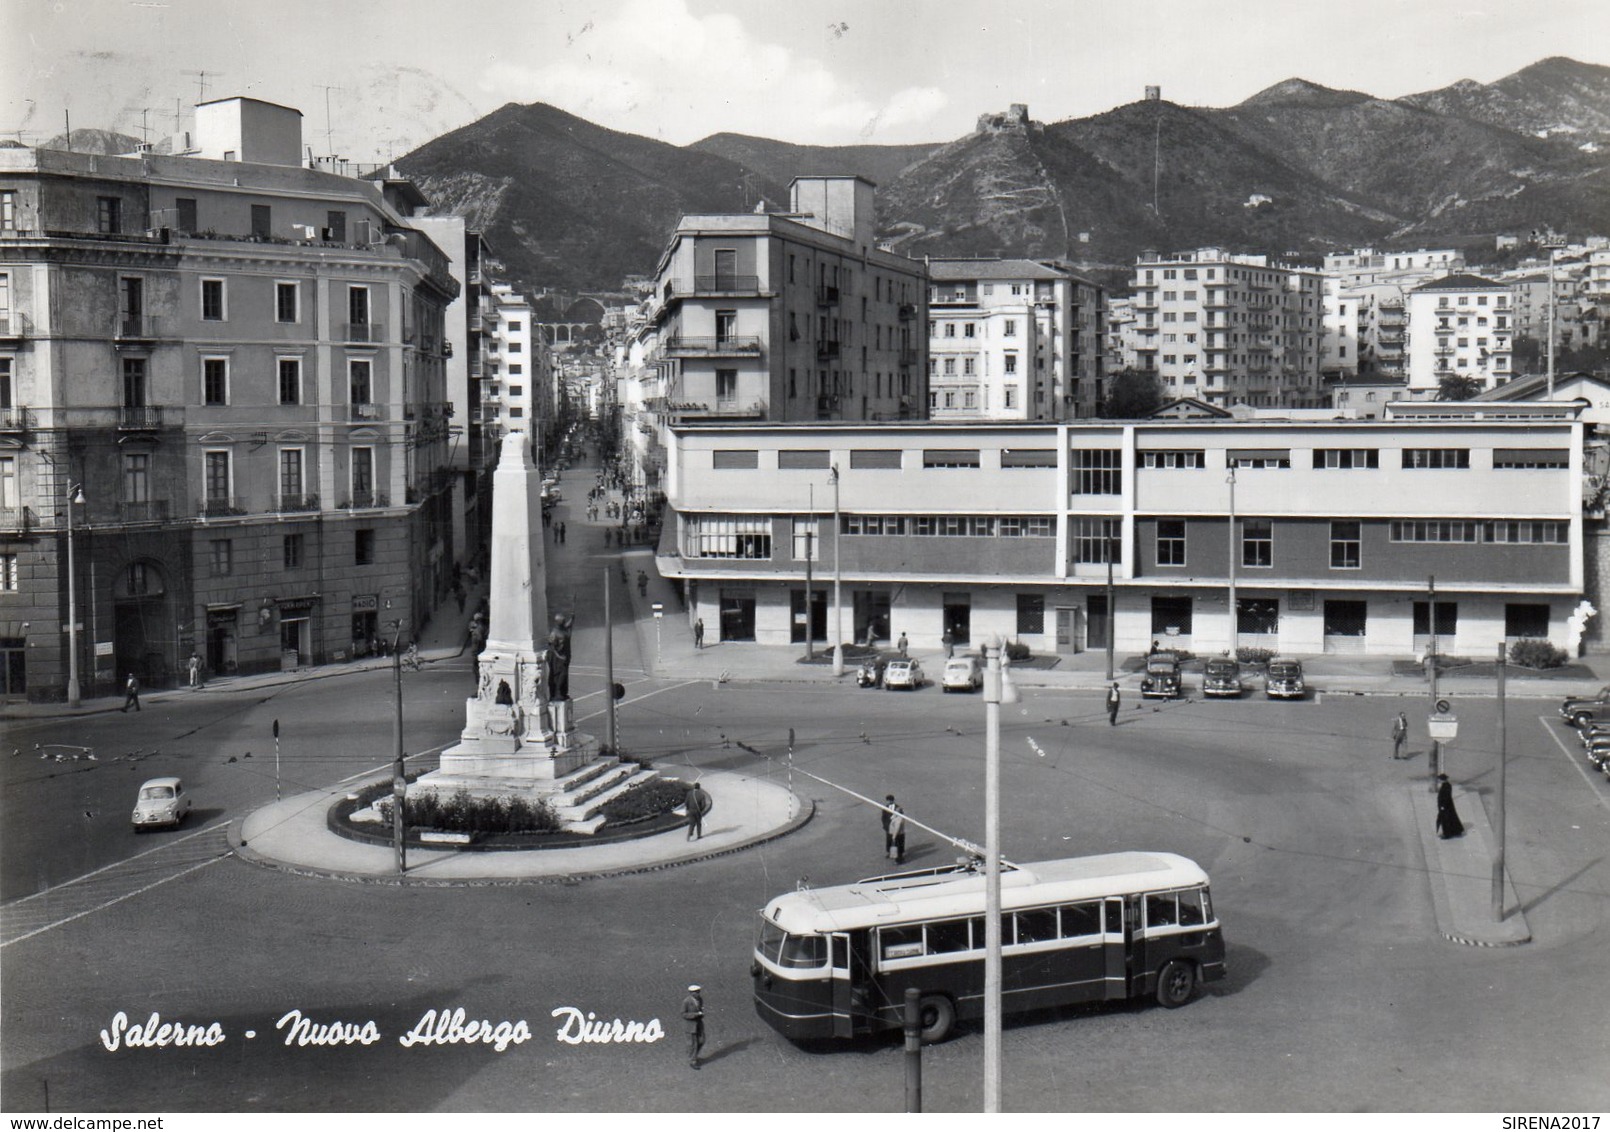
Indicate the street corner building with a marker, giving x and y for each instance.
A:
(225, 425)
(1317, 536)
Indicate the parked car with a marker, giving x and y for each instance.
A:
(1221, 676)
(161, 801)
(1589, 730)
(1162, 679)
(1284, 679)
(961, 674)
(1579, 709)
(1599, 753)
(905, 674)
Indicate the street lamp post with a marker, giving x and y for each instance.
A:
(838, 579)
(1554, 256)
(74, 694)
(1234, 628)
(998, 690)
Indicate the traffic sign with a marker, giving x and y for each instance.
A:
(1442, 725)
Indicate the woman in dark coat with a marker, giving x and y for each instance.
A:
(1448, 823)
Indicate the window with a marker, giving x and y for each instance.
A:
(363, 546)
(1259, 457)
(803, 458)
(807, 540)
(1095, 539)
(108, 215)
(184, 209)
(8, 210)
(950, 330)
(1347, 458)
(727, 536)
(358, 306)
(1447, 618)
(213, 307)
(285, 302)
(1435, 530)
(8, 573)
(291, 485)
(1009, 328)
(134, 383)
(950, 458)
(335, 224)
(1030, 613)
(292, 551)
(136, 477)
(290, 380)
(726, 387)
(735, 459)
(516, 347)
(215, 381)
(216, 475)
(359, 381)
(1171, 542)
(220, 556)
(1097, 471)
(1257, 542)
(1257, 616)
(1525, 531)
(1531, 458)
(872, 524)
(1186, 458)
(1011, 363)
(131, 305)
(1526, 620)
(1028, 457)
(363, 477)
(262, 221)
(1436, 457)
(8, 482)
(1345, 544)
(1171, 616)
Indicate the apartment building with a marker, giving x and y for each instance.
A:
(1012, 339)
(1327, 532)
(520, 381)
(238, 367)
(1230, 329)
(1460, 325)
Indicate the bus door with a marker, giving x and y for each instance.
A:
(1118, 941)
(849, 985)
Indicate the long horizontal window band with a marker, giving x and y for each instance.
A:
(1028, 457)
(950, 458)
(1553, 532)
(1260, 457)
(1347, 458)
(1436, 457)
(1172, 458)
(1531, 458)
(735, 458)
(953, 526)
(875, 458)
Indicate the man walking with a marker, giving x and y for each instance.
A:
(1112, 705)
(131, 694)
(949, 641)
(194, 664)
(901, 644)
(1400, 733)
(698, 633)
(888, 816)
(693, 1019)
(697, 803)
(897, 834)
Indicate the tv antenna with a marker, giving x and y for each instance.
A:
(201, 82)
(329, 127)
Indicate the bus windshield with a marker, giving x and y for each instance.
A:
(791, 950)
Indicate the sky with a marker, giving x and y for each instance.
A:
(376, 78)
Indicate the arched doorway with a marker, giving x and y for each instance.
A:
(143, 624)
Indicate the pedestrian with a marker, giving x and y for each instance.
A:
(1448, 823)
(698, 633)
(561, 532)
(897, 834)
(1400, 732)
(194, 665)
(1156, 648)
(888, 816)
(901, 644)
(131, 694)
(697, 803)
(1112, 705)
(949, 641)
(693, 1019)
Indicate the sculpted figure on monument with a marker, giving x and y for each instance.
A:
(505, 697)
(483, 690)
(559, 658)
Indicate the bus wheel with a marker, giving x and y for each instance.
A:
(937, 1016)
(1175, 982)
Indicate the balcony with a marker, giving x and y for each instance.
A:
(725, 407)
(447, 348)
(14, 326)
(297, 502)
(952, 298)
(720, 346)
(370, 333)
(364, 411)
(908, 311)
(15, 418)
(365, 500)
(827, 296)
(827, 350)
(908, 357)
(18, 520)
(476, 365)
(135, 328)
(144, 418)
(145, 511)
(220, 506)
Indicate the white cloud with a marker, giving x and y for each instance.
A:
(654, 68)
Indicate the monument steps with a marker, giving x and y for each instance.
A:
(588, 806)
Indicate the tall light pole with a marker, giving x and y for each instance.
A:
(1498, 811)
(810, 596)
(838, 580)
(75, 697)
(1233, 636)
(1554, 256)
(998, 690)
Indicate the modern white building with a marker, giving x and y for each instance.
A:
(1460, 325)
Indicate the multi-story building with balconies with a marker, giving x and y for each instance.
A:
(1012, 339)
(1460, 325)
(1230, 329)
(240, 367)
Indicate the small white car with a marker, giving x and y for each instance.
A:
(905, 674)
(961, 674)
(161, 801)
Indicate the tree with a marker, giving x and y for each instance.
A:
(1132, 394)
(1457, 387)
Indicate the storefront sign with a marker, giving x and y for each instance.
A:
(365, 603)
(297, 604)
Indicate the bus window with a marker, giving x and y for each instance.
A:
(1191, 913)
(771, 940)
(1081, 920)
(1160, 910)
(901, 943)
(948, 935)
(841, 952)
(1037, 926)
(802, 951)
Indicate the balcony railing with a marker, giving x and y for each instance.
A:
(363, 332)
(145, 511)
(722, 345)
(305, 501)
(362, 500)
(139, 417)
(15, 418)
(135, 327)
(14, 324)
(364, 411)
(908, 311)
(476, 365)
(18, 520)
(825, 350)
(908, 357)
(220, 506)
(826, 296)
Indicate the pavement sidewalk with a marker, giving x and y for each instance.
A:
(1461, 874)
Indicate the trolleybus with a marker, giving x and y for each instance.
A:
(836, 962)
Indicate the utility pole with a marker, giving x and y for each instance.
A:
(992, 876)
(838, 579)
(1431, 669)
(1498, 811)
(1112, 614)
(609, 669)
(810, 597)
(1234, 642)
(399, 768)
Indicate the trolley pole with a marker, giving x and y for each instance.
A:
(276, 760)
(913, 1027)
(1498, 813)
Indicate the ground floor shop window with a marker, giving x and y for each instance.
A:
(1526, 620)
(1097, 624)
(1030, 614)
(13, 668)
(1345, 618)
(1171, 617)
(737, 616)
(1256, 616)
(797, 617)
(870, 609)
(959, 618)
(1447, 619)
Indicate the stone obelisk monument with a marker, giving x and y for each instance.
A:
(518, 729)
